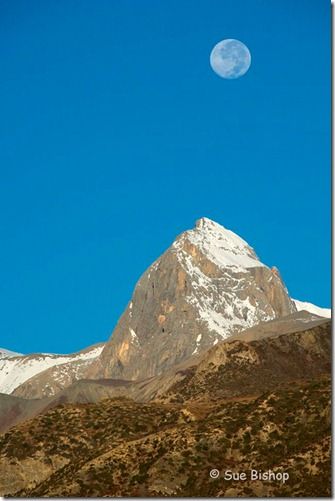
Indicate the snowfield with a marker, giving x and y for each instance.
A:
(15, 370)
(221, 246)
(312, 308)
(7, 353)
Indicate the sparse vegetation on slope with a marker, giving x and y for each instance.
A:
(122, 448)
(239, 368)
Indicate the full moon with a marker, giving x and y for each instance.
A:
(230, 58)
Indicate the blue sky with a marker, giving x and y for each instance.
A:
(116, 135)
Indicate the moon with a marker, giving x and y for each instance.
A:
(230, 58)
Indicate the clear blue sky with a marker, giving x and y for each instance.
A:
(116, 135)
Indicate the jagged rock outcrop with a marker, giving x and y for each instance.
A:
(206, 287)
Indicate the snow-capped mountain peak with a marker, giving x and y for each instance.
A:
(206, 287)
(220, 245)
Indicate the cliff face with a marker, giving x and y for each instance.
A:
(206, 287)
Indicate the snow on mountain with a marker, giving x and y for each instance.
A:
(15, 370)
(221, 246)
(8, 354)
(312, 308)
(206, 287)
(228, 302)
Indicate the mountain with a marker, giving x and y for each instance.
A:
(212, 365)
(18, 369)
(256, 360)
(206, 287)
(122, 449)
(8, 354)
(312, 308)
(261, 401)
(209, 285)
(14, 410)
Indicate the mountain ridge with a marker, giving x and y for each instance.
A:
(207, 286)
(164, 439)
(251, 352)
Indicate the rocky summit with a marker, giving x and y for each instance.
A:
(211, 366)
(209, 285)
(206, 287)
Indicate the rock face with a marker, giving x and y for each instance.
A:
(206, 287)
